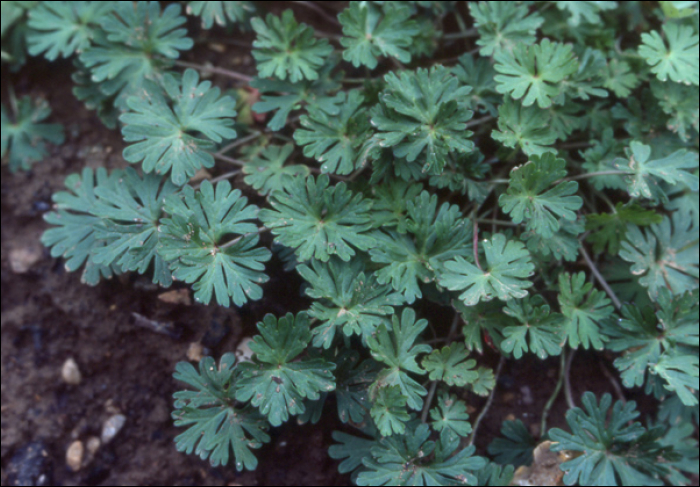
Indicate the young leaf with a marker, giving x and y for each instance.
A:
(675, 168)
(665, 255)
(678, 61)
(450, 418)
(424, 113)
(504, 275)
(680, 374)
(169, 136)
(412, 459)
(584, 308)
(503, 25)
(216, 424)
(346, 299)
(517, 446)
(398, 351)
(267, 172)
(682, 104)
(319, 221)
(354, 378)
(389, 411)
(284, 48)
(614, 452)
(64, 28)
(524, 127)
(450, 365)
(371, 32)
(192, 240)
(24, 138)
(352, 450)
(221, 12)
(334, 140)
(544, 329)
(527, 199)
(610, 229)
(534, 71)
(275, 382)
(484, 383)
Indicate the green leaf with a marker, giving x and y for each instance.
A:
(527, 200)
(284, 48)
(525, 127)
(503, 25)
(682, 104)
(678, 61)
(680, 374)
(620, 78)
(450, 365)
(614, 452)
(347, 299)
(412, 459)
(665, 255)
(390, 205)
(450, 418)
(587, 11)
(398, 351)
(562, 245)
(275, 382)
(371, 32)
(483, 322)
(434, 236)
(543, 329)
(478, 73)
(216, 424)
(221, 12)
(610, 229)
(352, 450)
(422, 115)
(168, 137)
(517, 446)
(193, 241)
(334, 140)
(64, 28)
(504, 275)
(353, 380)
(389, 410)
(319, 221)
(584, 309)
(267, 172)
(25, 138)
(534, 71)
(495, 475)
(675, 168)
(485, 383)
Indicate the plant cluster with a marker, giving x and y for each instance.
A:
(540, 181)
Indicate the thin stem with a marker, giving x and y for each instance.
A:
(220, 178)
(613, 381)
(480, 121)
(230, 160)
(319, 11)
(488, 403)
(476, 240)
(499, 181)
(567, 380)
(599, 277)
(238, 142)
(596, 174)
(502, 223)
(428, 401)
(213, 69)
(316, 170)
(555, 394)
(461, 35)
(239, 238)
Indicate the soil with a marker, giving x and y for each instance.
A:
(48, 316)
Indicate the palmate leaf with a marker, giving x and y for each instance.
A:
(346, 299)
(450, 365)
(284, 48)
(130, 210)
(645, 172)
(478, 73)
(370, 32)
(587, 11)
(334, 140)
(504, 275)
(664, 255)
(434, 236)
(389, 410)
(524, 127)
(353, 380)
(192, 241)
(275, 382)
(398, 351)
(680, 372)
(267, 172)
(584, 308)
(503, 25)
(682, 104)
(678, 61)
(527, 200)
(25, 138)
(422, 115)
(544, 329)
(610, 229)
(450, 418)
(351, 450)
(413, 459)
(64, 28)
(517, 446)
(167, 128)
(221, 12)
(390, 204)
(564, 244)
(534, 72)
(216, 425)
(319, 221)
(614, 452)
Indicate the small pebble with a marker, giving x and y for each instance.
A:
(111, 427)
(74, 455)
(23, 259)
(527, 395)
(70, 373)
(195, 352)
(243, 351)
(177, 296)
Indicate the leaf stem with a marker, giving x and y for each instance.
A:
(428, 401)
(213, 69)
(233, 242)
(502, 223)
(488, 402)
(238, 142)
(461, 35)
(220, 178)
(479, 121)
(319, 11)
(230, 160)
(555, 394)
(599, 277)
(596, 174)
(567, 380)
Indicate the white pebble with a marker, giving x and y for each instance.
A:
(74, 455)
(71, 373)
(111, 427)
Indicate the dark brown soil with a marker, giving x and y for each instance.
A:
(48, 316)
